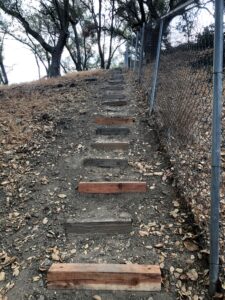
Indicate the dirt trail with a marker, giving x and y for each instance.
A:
(160, 225)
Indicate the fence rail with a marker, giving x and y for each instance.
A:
(183, 78)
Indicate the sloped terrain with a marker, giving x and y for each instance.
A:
(47, 130)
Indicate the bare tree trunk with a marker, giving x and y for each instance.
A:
(3, 73)
(77, 43)
(111, 36)
(99, 33)
(54, 69)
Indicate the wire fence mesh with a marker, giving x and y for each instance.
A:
(183, 112)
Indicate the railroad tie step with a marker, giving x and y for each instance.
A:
(113, 88)
(115, 102)
(112, 187)
(130, 277)
(123, 131)
(115, 82)
(114, 120)
(117, 77)
(116, 225)
(110, 146)
(105, 162)
(114, 96)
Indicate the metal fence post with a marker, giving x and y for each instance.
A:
(156, 69)
(216, 147)
(136, 51)
(126, 57)
(141, 52)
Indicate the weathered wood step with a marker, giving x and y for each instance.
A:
(130, 277)
(116, 82)
(112, 187)
(113, 96)
(111, 145)
(99, 226)
(113, 88)
(117, 77)
(105, 162)
(114, 120)
(115, 103)
(113, 131)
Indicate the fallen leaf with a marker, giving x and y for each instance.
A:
(160, 245)
(191, 246)
(36, 278)
(45, 221)
(192, 274)
(143, 233)
(62, 196)
(2, 276)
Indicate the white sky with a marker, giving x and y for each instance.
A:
(19, 62)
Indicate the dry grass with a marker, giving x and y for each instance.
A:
(66, 79)
(21, 104)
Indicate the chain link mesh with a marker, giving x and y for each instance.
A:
(183, 112)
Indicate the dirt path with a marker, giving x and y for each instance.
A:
(161, 232)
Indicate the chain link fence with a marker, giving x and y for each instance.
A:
(182, 82)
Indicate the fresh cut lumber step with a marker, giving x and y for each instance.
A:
(112, 187)
(130, 277)
(114, 120)
(105, 162)
(113, 131)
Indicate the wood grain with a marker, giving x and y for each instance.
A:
(129, 277)
(98, 226)
(110, 146)
(105, 162)
(115, 120)
(112, 187)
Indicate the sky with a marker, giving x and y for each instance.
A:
(20, 62)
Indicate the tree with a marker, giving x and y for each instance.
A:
(136, 13)
(47, 23)
(3, 74)
(103, 25)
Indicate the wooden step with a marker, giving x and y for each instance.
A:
(123, 131)
(116, 82)
(114, 120)
(115, 103)
(99, 226)
(105, 162)
(113, 88)
(110, 146)
(117, 77)
(114, 96)
(112, 187)
(130, 277)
